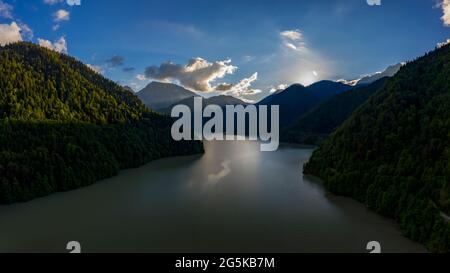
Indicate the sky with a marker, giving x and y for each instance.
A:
(244, 48)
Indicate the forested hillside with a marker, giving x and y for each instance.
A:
(63, 126)
(393, 153)
(317, 124)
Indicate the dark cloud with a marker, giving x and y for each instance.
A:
(128, 69)
(115, 61)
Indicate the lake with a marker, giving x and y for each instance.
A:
(233, 198)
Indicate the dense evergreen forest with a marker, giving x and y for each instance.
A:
(318, 123)
(393, 153)
(63, 126)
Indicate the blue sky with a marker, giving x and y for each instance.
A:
(243, 48)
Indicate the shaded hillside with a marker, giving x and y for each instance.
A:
(393, 153)
(294, 101)
(297, 100)
(326, 89)
(328, 115)
(63, 126)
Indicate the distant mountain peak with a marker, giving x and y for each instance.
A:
(128, 88)
(160, 95)
(368, 79)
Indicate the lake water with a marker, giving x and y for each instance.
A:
(233, 198)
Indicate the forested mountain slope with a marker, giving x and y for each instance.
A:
(63, 126)
(393, 153)
(317, 124)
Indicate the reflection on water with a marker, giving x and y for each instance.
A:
(216, 177)
(233, 198)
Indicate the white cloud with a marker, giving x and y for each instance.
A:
(374, 2)
(9, 33)
(26, 31)
(69, 2)
(370, 78)
(52, 2)
(349, 82)
(296, 62)
(293, 39)
(61, 15)
(201, 75)
(59, 45)
(96, 68)
(293, 35)
(279, 87)
(446, 10)
(141, 77)
(74, 2)
(5, 10)
(243, 87)
(197, 75)
(439, 45)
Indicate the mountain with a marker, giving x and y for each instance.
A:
(128, 88)
(221, 101)
(328, 115)
(368, 79)
(158, 95)
(297, 100)
(326, 89)
(63, 126)
(388, 72)
(393, 153)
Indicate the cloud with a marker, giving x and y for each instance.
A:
(277, 88)
(128, 69)
(243, 87)
(374, 2)
(201, 75)
(445, 5)
(247, 58)
(349, 82)
(74, 2)
(61, 15)
(59, 45)
(96, 68)
(5, 10)
(293, 39)
(27, 32)
(296, 61)
(52, 2)
(10, 33)
(141, 77)
(68, 2)
(115, 60)
(198, 74)
(293, 35)
(370, 78)
(446, 42)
